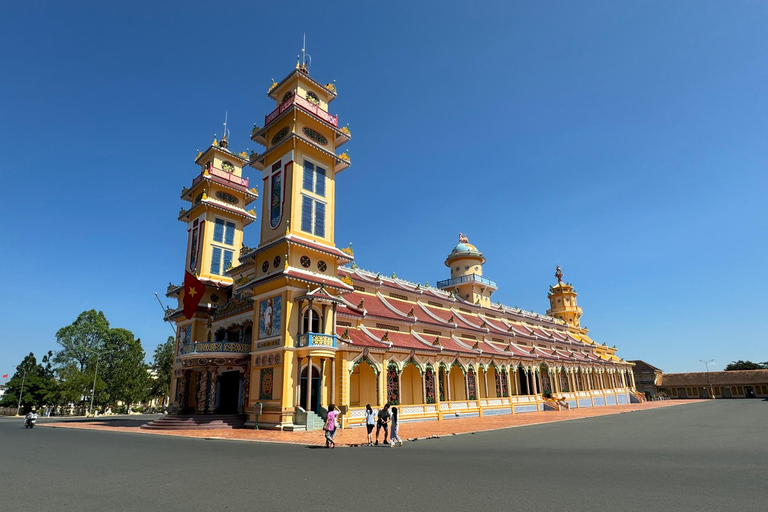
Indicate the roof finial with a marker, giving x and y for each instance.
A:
(559, 275)
(463, 238)
(306, 59)
(224, 137)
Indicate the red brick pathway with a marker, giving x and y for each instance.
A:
(356, 436)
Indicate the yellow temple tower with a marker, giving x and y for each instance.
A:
(215, 219)
(292, 274)
(562, 302)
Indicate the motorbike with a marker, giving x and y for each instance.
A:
(29, 422)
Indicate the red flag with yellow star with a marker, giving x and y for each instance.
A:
(193, 292)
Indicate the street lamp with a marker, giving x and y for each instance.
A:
(95, 374)
(21, 393)
(709, 380)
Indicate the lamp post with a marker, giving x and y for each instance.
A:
(709, 380)
(21, 393)
(93, 388)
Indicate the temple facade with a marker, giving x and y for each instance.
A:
(280, 331)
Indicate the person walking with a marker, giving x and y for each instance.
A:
(330, 426)
(394, 432)
(383, 423)
(370, 422)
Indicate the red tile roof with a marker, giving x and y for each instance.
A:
(359, 339)
(403, 340)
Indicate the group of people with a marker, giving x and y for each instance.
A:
(386, 419)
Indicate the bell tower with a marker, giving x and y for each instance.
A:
(294, 281)
(219, 196)
(562, 302)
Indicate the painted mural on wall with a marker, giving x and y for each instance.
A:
(276, 196)
(265, 389)
(270, 314)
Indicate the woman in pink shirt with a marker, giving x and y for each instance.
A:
(330, 426)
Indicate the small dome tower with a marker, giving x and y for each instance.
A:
(467, 281)
(562, 302)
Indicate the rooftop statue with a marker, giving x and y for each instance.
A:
(559, 274)
(463, 238)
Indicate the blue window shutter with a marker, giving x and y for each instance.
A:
(309, 175)
(320, 182)
(306, 214)
(216, 261)
(320, 219)
(218, 231)
(229, 238)
(227, 260)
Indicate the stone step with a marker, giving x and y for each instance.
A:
(197, 422)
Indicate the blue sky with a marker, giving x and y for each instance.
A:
(625, 141)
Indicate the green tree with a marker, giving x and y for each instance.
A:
(162, 368)
(124, 370)
(33, 382)
(81, 340)
(75, 385)
(745, 365)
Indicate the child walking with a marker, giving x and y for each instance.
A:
(330, 426)
(394, 432)
(370, 422)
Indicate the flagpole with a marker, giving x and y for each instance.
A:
(163, 308)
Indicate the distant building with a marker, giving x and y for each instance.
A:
(647, 377)
(733, 384)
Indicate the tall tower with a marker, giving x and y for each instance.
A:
(467, 281)
(217, 215)
(215, 220)
(294, 282)
(562, 301)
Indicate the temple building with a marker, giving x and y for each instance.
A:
(280, 331)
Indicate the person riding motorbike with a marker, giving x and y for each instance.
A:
(30, 419)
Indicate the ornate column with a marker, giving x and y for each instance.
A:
(516, 380)
(333, 379)
(311, 317)
(246, 388)
(309, 383)
(322, 380)
(202, 389)
(485, 381)
(214, 377)
(183, 391)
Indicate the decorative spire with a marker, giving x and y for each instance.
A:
(224, 142)
(559, 275)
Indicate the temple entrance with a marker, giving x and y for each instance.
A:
(315, 398)
(229, 392)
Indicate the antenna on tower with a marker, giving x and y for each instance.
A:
(225, 137)
(306, 59)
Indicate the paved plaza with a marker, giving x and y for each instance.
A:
(702, 456)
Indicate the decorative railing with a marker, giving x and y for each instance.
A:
(304, 104)
(312, 339)
(472, 278)
(232, 178)
(215, 346)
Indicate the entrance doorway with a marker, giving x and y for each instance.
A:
(229, 392)
(314, 402)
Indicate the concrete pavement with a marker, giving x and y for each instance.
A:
(707, 456)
